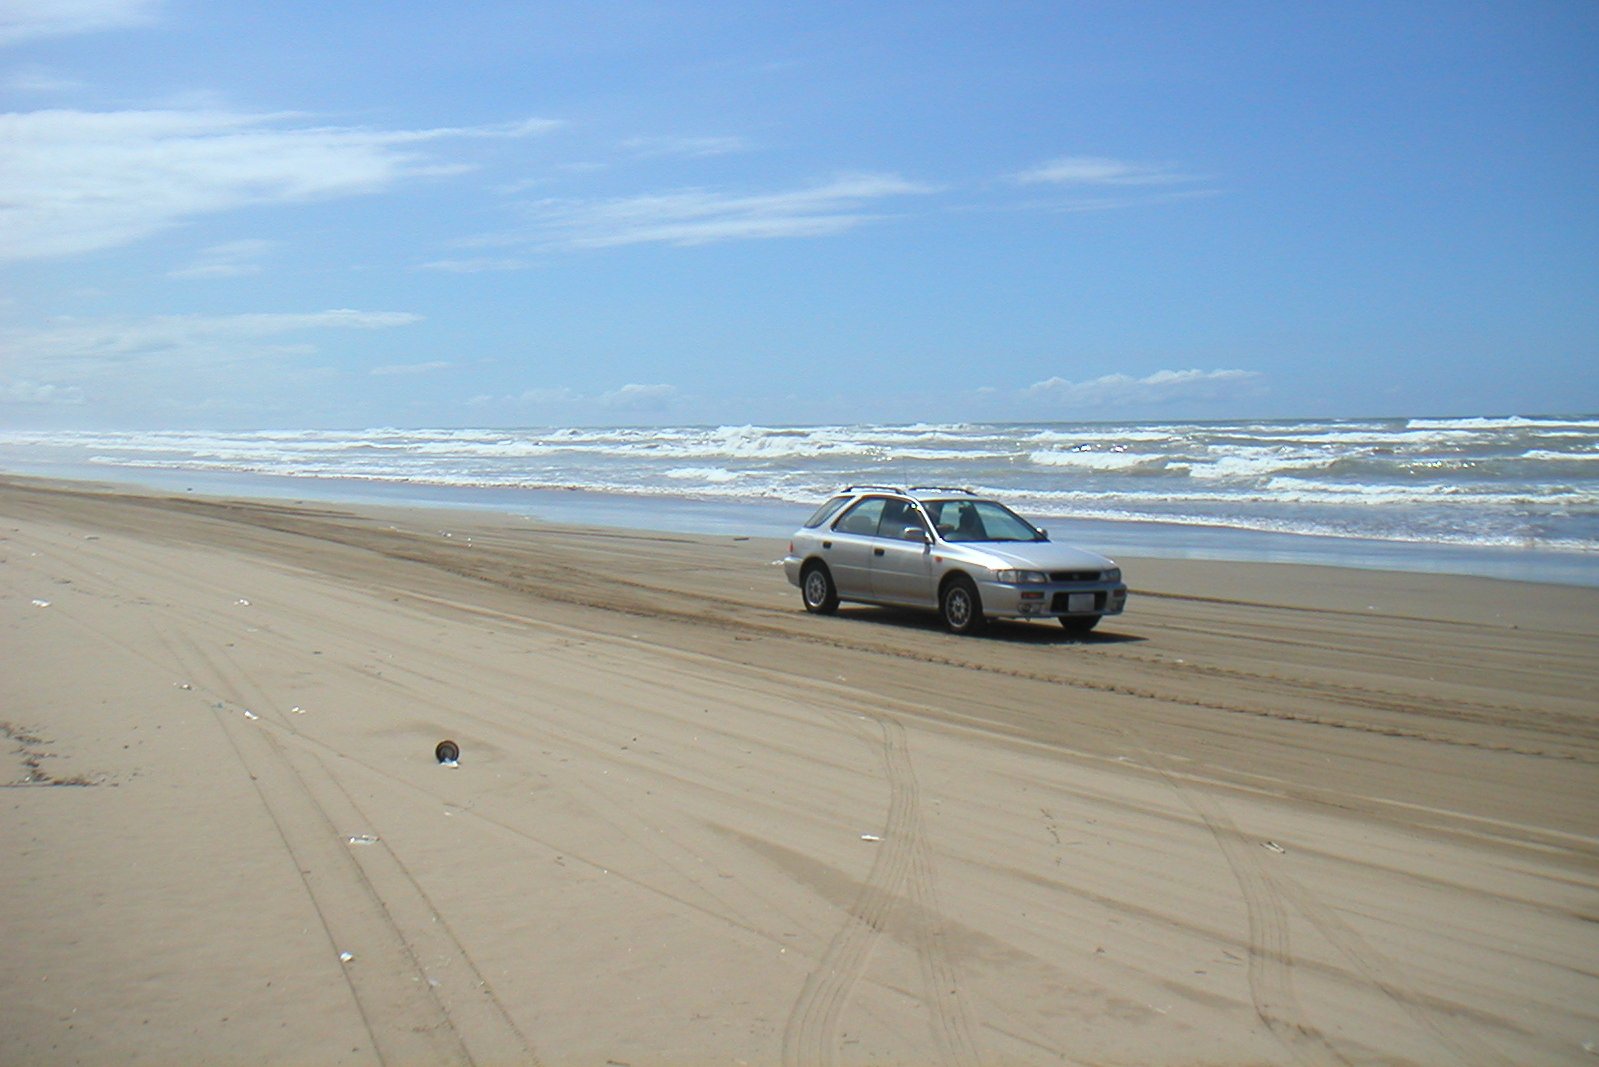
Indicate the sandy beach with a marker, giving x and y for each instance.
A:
(1271, 815)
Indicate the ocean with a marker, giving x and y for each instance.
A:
(1511, 496)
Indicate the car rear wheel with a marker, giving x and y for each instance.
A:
(960, 606)
(1080, 624)
(816, 587)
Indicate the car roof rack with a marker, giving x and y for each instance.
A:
(943, 489)
(875, 488)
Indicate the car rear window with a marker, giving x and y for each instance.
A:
(863, 517)
(826, 511)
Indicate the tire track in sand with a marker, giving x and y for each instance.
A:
(416, 1006)
(1271, 967)
(1373, 965)
(901, 867)
(1267, 897)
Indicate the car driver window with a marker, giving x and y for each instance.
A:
(895, 516)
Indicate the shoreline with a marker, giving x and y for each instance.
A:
(770, 518)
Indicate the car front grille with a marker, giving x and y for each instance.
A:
(1074, 576)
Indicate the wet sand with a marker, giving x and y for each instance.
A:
(1273, 814)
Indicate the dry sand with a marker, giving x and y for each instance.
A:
(1272, 815)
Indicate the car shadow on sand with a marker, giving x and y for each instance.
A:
(1015, 632)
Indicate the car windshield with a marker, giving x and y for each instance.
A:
(978, 520)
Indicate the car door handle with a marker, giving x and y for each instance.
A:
(827, 544)
(878, 551)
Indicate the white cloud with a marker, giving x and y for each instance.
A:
(88, 346)
(41, 80)
(1095, 183)
(545, 396)
(684, 147)
(1095, 170)
(181, 369)
(1162, 387)
(39, 393)
(410, 368)
(22, 20)
(634, 397)
(76, 181)
(234, 259)
(473, 265)
(702, 216)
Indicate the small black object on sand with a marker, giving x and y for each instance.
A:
(447, 752)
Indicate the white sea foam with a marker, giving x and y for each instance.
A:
(1098, 435)
(703, 475)
(1091, 460)
(1481, 480)
(1587, 424)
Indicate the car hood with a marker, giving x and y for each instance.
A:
(1033, 555)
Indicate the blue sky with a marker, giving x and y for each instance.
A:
(292, 214)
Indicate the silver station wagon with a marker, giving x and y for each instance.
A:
(950, 551)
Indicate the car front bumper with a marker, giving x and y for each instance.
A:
(1050, 601)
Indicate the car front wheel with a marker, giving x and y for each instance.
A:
(961, 607)
(816, 587)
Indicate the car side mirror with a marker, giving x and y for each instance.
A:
(915, 533)
(1043, 534)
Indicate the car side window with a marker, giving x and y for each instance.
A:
(897, 515)
(862, 518)
(957, 520)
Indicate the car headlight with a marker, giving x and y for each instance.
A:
(1012, 577)
(1112, 575)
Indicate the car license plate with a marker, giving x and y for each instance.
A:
(1080, 602)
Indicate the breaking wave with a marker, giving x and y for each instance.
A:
(1479, 480)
